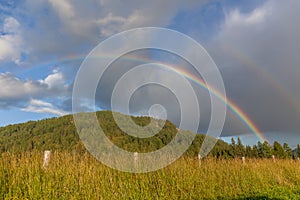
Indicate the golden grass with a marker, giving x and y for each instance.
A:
(71, 176)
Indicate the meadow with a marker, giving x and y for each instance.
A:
(75, 176)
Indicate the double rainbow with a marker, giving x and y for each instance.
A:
(192, 77)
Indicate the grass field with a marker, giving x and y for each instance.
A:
(70, 176)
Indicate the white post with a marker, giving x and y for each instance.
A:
(243, 160)
(199, 159)
(47, 155)
(135, 157)
(273, 157)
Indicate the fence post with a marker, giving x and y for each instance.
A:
(199, 158)
(47, 156)
(135, 157)
(273, 157)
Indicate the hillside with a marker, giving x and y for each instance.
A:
(60, 134)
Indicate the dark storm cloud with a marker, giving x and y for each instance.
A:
(257, 54)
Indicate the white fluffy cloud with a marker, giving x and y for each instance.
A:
(64, 8)
(14, 88)
(54, 80)
(10, 41)
(11, 25)
(25, 94)
(39, 106)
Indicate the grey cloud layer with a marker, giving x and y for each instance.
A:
(257, 54)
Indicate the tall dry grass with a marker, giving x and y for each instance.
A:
(73, 176)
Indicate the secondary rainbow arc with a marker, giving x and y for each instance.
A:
(245, 119)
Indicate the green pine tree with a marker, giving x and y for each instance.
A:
(266, 150)
(248, 152)
(278, 150)
(233, 148)
(287, 150)
(255, 152)
(240, 149)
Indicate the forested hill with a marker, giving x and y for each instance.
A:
(59, 134)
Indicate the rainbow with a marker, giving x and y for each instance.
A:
(261, 71)
(231, 105)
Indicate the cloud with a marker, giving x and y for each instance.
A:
(18, 93)
(257, 54)
(10, 41)
(14, 88)
(54, 81)
(236, 18)
(10, 25)
(63, 7)
(39, 106)
(52, 28)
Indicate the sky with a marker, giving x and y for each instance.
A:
(253, 43)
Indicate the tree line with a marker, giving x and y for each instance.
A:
(260, 150)
(59, 134)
